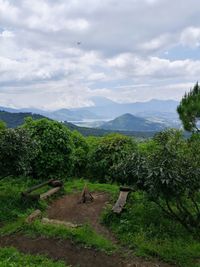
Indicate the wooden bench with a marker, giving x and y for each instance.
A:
(121, 201)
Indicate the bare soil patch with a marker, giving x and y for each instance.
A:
(69, 209)
(70, 253)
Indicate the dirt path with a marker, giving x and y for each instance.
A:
(68, 209)
(72, 254)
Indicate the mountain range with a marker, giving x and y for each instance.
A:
(103, 109)
(14, 120)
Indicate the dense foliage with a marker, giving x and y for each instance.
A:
(55, 154)
(17, 150)
(169, 175)
(105, 153)
(81, 150)
(189, 109)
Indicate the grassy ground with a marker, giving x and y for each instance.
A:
(78, 185)
(84, 235)
(13, 212)
(12, 207)
(149, 233)
(142, 226)
(10, 257)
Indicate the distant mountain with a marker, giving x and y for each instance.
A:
(87, 131)
(129, 122)
(105, 108)
(14, 120)
(100, 101)
(170, 119)
(70, 115)
(59, 115)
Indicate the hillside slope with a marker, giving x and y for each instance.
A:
(129, 122)
(14, 120)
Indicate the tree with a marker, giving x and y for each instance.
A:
(189, 109)
(168, 172)
(55, 156)
(17, 150)
(172, 177)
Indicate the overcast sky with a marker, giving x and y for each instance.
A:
(59, 54)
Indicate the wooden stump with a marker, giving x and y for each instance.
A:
(86, 196)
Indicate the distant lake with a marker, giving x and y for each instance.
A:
(90, 122)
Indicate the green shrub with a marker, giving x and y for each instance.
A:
(81, 150)
(17, 150)
(55, 156)
(169, 174)
(106, 152)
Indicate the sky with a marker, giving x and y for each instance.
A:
(61, 54)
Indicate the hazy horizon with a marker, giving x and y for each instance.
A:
(92, 104)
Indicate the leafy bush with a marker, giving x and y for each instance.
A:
(17, 150)
(55, 156)
(106, 152)
(81, 150)
(173, 178)
(129, 171)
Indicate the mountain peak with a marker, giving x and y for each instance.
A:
(100, 101)
(129, 122)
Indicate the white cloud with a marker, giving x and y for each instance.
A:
(8, 11)
(191, 37)
(6, 34)
(121, 42)
(154, 67)
(157, 43)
